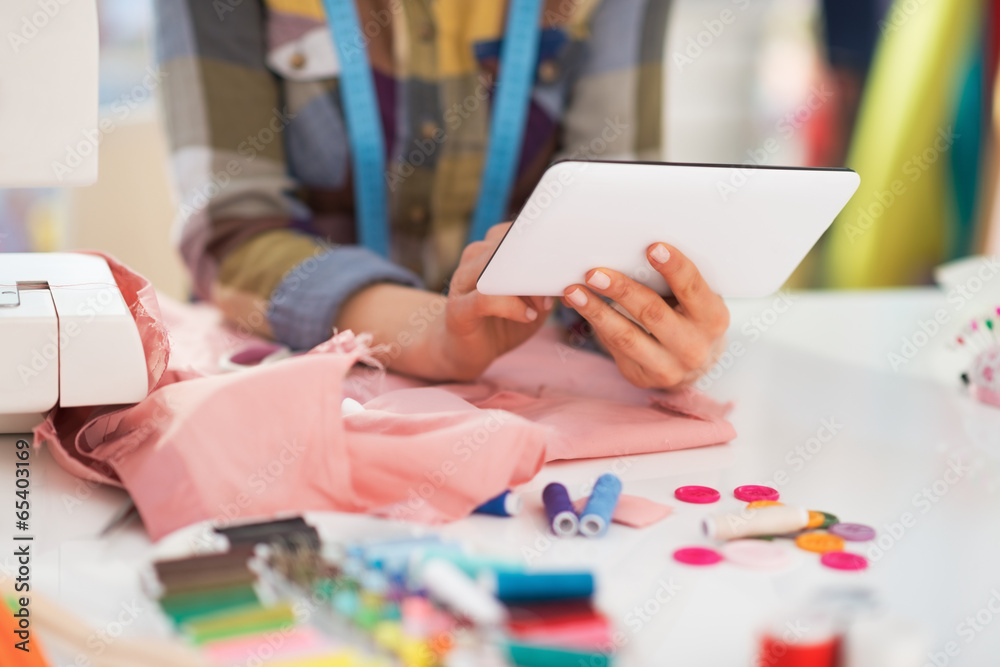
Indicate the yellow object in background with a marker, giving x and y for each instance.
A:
(896, 227)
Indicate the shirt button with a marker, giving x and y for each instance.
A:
(426, 31)
(297, 61)
(418, 215)
(430, 130)
(548, 71)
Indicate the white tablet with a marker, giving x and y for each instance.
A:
(745, 227)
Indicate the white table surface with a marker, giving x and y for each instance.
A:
(823, 358)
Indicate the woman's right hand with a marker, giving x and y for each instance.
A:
(446, 338)
(478, 328)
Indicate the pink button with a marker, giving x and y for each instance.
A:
(700, 495)
(758, 554)
(697, 556)
(843, 560)
(752, 492)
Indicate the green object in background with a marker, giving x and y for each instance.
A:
(897, 226)
(186, 606)
(253, 619)
(532, 655)
(966, 156)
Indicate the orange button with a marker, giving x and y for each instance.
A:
(763, 503)
(819, 542)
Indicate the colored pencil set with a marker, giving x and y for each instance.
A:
(281, 596)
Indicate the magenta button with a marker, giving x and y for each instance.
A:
(752, 492)
(700, 495)
(842, 560)
(697, 556)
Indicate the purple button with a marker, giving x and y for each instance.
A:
(752, 492)
(697, 556)
(700, 495)
(854, 532)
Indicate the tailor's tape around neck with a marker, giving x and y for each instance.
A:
(364, 125)
(518, 56)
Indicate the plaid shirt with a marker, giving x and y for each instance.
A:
(260, 151)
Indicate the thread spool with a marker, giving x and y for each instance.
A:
(538, 586)
(506, 504)
(453, 588)
(776, 520)
(804, 638)
(600, 507)
(885, 642)
(559, 508)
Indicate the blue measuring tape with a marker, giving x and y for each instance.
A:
(518, 56)
(364, 125)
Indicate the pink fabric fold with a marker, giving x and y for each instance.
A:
(272, 439)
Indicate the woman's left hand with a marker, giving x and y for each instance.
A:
(682, 340)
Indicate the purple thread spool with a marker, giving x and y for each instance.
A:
(559, 508)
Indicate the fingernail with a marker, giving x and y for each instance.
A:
(660, 253)
(577, 298)
(547, 302)
(531, 314)
(599, 280)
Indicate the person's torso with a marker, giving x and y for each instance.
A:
(434, 63)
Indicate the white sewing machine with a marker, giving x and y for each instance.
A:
(66, 335)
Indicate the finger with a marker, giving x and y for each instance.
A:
(696, 298)
(642, 303)
(508, 307)
(542, 304)
(624, 340)
(495, 233)
(679, 336)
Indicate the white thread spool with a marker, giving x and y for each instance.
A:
(774, 520)
(884, 642)
(452, 587)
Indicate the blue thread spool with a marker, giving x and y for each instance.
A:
(559, 508)
(600, 506)
(506, 504)
(539, 586)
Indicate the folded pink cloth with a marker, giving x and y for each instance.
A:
(272, 439)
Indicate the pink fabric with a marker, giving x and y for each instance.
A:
(633, 511)
(272, 439)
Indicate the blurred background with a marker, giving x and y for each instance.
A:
(900, 91)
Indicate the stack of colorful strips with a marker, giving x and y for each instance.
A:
(280, 597)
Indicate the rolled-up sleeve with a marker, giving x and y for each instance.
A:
(309, 296)
(238, 226)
